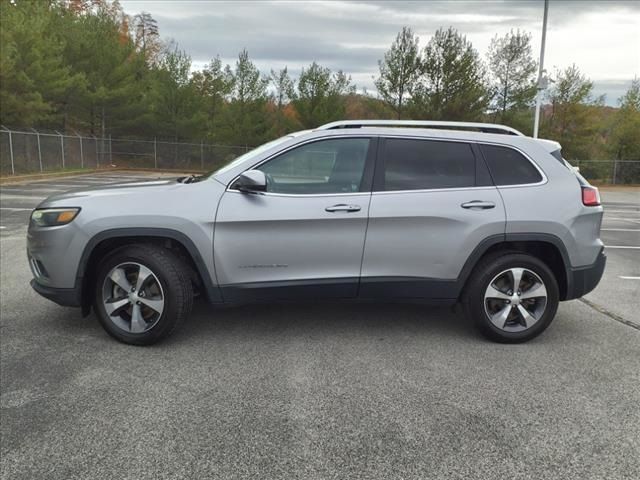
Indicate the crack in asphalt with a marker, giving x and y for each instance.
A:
(609, 314)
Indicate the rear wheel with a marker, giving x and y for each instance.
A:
(512, 297)
(143, 292)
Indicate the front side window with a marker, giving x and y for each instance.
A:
(509, 167)
(411, 164)
(326, 166)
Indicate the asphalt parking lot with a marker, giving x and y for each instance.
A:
(319, 390)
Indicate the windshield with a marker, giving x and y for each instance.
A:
(250, 154)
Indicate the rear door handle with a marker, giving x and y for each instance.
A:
(342, 207)
(478, 204)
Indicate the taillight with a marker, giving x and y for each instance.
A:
(590, 196)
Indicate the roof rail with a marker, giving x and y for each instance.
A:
(481, 127)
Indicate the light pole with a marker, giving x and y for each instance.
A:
(536, 120)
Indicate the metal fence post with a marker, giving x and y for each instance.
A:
(13, 170)
(61, 146)
(110, 152)
(81, 152)
(95, 139)
(155, 152)
(39, 149)
(201, 154)
(615, 168)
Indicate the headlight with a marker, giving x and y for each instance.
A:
(51, 217)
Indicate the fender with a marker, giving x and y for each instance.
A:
(212, 291)
(489, 242)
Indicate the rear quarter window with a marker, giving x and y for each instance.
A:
(509, 167)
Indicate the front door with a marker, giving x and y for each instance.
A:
(304, 236)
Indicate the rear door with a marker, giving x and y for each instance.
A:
(304, 237)
(433, 204)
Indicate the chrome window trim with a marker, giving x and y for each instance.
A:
(401, 136)
(291, 147)
(300, 195)
(432, 190)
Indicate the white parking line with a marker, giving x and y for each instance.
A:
(2, 227)
(621, 247)
(629, 278)
(622, 211)
(620, 229)
(623, 219)
(16, 209)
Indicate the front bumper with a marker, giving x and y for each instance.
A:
(67, 297)
(584, 279)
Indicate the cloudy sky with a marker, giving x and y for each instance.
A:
(602, 37)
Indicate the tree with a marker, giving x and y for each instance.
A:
(625, 135)
(321, 95)
(284, 87)
(113, 97)
(283, 118)
(247, 123)
(452, 84)
(513, 71)
(172, 97)
(35, 82)
(572, 120)
(147, 36)
(214, 85)
(399, 70)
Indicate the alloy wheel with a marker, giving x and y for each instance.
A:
(515, 299)
(133, 297)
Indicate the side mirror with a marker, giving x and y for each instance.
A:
(251, 181)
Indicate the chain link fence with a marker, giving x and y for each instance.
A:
(24, 152)
(615, 172)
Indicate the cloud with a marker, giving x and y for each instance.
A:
(601, 37)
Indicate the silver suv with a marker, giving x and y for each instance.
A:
(437, 212)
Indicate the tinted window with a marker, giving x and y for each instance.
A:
(509, 167)
(327, 166)
(424, 164)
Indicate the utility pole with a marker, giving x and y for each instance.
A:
(536, 120)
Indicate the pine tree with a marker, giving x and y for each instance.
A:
(399, 70)
(513, 71)
(453, 81)
(321, 95)
(247, 124)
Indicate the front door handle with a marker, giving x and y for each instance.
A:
(478, 204)
(341, 207)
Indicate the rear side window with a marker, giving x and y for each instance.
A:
(509, 167)
(424, 164)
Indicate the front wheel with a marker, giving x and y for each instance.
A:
(512, 297)
(142, 294)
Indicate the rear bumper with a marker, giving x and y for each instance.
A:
(67, 297)
(585, 279)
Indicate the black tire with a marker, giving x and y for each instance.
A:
(486, 270)
(173, 279)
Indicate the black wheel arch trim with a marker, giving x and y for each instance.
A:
(212, 291)
(492, 240)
